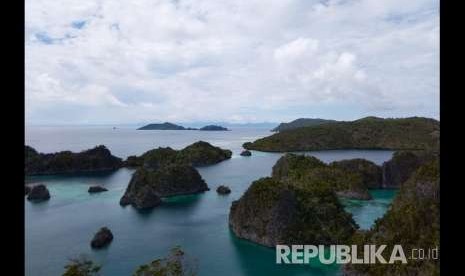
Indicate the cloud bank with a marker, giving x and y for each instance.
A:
(107, 61)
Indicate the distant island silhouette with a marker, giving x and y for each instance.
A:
(171, 126)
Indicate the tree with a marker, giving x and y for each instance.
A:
(176, 264)
(81, 266)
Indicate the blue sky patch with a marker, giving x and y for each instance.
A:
(44, 38)
(78, 24)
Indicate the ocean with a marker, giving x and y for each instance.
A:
(62, 227)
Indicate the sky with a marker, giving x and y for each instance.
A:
(242, 61)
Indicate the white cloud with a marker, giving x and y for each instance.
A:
(297, 49)
(216, 60)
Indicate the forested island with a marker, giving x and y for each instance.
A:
(163, 126)
(97, 159)
(213, 128)
(165, 172)
(367, 133)
(300, 204)
(171, 126)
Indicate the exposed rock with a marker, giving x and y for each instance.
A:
(27, 189)
(246, 153)
(39, 193)
(370, 172)
(139, 193)
(223, 190)
(403, 163)
(93, 160)
(165, 172)
(147, 186)
(292, 168)
(213, 128)
(97, 189)
(271, 212)
(102, 238)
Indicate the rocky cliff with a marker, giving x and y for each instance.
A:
(272, 212)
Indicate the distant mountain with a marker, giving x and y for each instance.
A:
(164, 126)
(301, 122)
(366, 133)
(213, 128)
(205, 126)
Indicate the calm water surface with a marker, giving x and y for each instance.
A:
(63, 226)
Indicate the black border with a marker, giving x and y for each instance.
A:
(13, 108)
(451, 186)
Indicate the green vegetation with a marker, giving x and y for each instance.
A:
(412, 221)
(81, 266)
(202, 153)
(367, 133)
(92, 160)
(273, 212)
(197, 154)
(301, 122)
(176, 264)
(403, 164)
(163, 126)
(147, 186)
(153, 158)
(370, 173)
(213, 128)
(165, 172)
(307, 170)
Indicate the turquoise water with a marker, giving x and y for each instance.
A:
(365, 212)
(63, 226)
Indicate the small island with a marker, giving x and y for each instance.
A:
(213, 128)
(223, 190)
(96, 189)
(98, 159)
(102, 238)
(38, 193)
(246, 153)
(165, 172)
(171, 126)
(163, 126)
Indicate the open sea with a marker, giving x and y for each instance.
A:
(62, 227)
